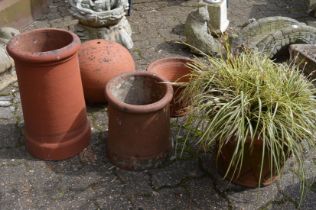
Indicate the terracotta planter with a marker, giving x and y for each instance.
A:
(100, 61)
(139, 122)
(249, 175)
(46, 61)
(173, 69)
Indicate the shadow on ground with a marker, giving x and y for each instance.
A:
(12, 142)
(173, 48)
(175, 2)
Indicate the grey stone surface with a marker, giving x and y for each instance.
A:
(7, 74)
(256, 30)
(6, 33)
(303, 55)
(90, 181)
(6, 112)
(198, 34)
(5, 101)
(274, 43)
(175, 174)
(274, 35)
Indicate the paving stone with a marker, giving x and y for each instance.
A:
(280, 205)
(8, 90)
(13, 156)
(6, 98)
(5, 103)
(309, 201)
(10, 135)
(203, 194)
(135, 183)
(252, 198)
(6, 113)
(111, 195)
(175, 174)
(14, 185)
(289, 184)
(175, 198)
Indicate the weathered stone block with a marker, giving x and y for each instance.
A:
(303, 55)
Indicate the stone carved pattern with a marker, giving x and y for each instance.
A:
(270, 35)
(120, 33)
(102, 19)
(98, 13)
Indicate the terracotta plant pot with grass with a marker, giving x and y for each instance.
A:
(249, 174)
(101, 60)
(139, 120)
(46, 61)
(257, 112)
(173, 69)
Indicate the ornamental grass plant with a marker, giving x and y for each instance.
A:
(248, 96)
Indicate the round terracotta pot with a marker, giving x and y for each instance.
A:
(139, 120)
(100, 61)
(173, 69)
(46, 62)
(249, 175)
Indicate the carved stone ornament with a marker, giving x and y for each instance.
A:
(197, 32)
(102, 19)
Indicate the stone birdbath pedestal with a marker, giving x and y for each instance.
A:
(102, 19)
